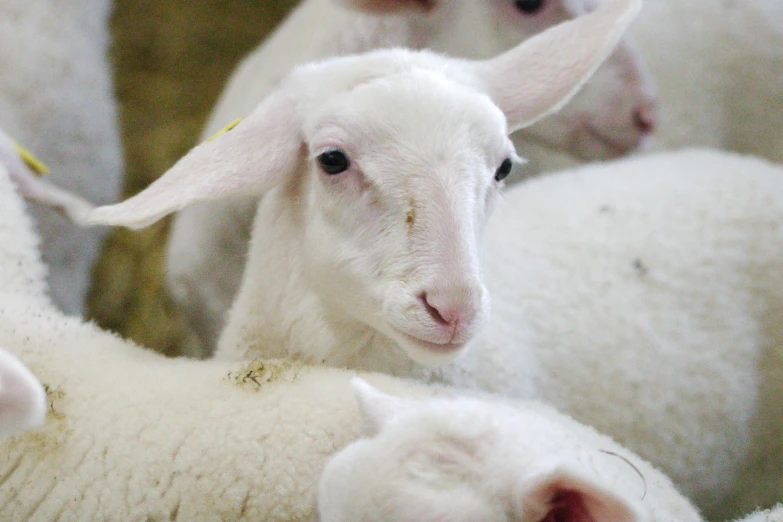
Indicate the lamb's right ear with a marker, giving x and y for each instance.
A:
(540, 75)
(376, 408)
(388, 6)
(256, 155)
(22, 398)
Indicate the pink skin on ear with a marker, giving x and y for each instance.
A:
(565, 496)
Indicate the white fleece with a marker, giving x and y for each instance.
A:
(131, 435)
(56, 98)
(642, 297)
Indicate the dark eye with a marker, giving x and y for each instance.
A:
(334, 161)
(503, 170)
(529, 6)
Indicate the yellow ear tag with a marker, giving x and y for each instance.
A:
(31, 161)
(225, 129)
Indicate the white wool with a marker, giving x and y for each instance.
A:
(56, 99)
(483, 460)
(139, 436)
(770, 515)
(641, 297)
(208, 242)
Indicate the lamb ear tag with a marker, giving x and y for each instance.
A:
(30, 160)
(224, 129)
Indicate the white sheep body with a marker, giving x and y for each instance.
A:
(208, 242)
(56, 98)
(137, 436)
(641, 297)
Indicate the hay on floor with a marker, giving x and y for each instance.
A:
(171, 59)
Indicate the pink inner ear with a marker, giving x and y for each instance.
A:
(568, 506)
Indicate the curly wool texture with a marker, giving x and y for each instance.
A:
(56, 98)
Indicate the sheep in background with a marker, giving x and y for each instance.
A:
(56, 98)
(640, 297)
(613, 114)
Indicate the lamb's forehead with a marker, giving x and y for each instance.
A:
(416, 97)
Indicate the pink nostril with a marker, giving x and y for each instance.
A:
(434, 312)
(645, 118)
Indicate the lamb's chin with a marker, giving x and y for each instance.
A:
(428, 353)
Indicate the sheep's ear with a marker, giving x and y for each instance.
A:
(34, 188)
(540, 75)
(376, 408)
(22, 398)
(565, 495)
(388, 6)
(257, 154)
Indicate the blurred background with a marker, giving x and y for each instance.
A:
(171, 59)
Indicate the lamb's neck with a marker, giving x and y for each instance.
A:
(276, 312)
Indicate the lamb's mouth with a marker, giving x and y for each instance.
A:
(439, 348)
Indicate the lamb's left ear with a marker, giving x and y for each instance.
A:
(376, 408)
(567, 495)
(22, 398)
(541, 74)
(251, 158)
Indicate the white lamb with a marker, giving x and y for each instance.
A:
(641, 297)
(56, 98)
(140, 437)
(613, 114)
(464, 459)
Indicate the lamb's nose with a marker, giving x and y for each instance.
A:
(451, 308)
(645, 117)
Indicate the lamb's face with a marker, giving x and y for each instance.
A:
(404, 171)
(613, 114)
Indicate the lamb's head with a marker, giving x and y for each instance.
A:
(468, 460)
(611, 116)
(22, 398)
(387, 165)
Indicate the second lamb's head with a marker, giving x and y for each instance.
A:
(384, 168)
